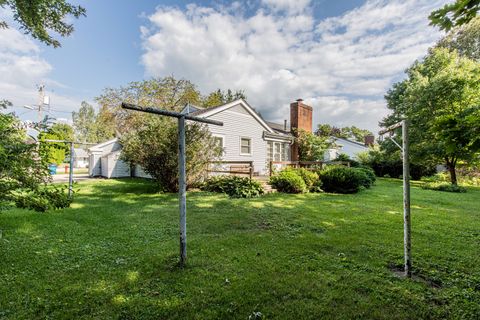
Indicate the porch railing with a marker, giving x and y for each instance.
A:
(309, 165)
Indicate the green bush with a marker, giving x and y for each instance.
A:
(235, 187)
(42, 199)
(309, 177)
(447, 187)
(344, 179)
(370, 174)
(288, 181)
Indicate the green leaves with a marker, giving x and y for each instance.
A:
(455, 14)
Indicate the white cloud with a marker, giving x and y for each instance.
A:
(342, 65)
(22, 68)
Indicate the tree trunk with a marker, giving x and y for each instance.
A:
(452, 171)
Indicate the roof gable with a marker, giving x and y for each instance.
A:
(214, 110)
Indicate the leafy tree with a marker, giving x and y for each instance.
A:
(220, 97)
(55, 152)
(154, 146)
(37, 18)
(455, 14)
(465, 39)
(353, 132)
(166, 93)
(441, 99)
(21, 166)
(311, 147)
(90, 127)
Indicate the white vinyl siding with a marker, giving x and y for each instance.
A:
(238, 123)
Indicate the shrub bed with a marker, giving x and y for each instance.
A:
(42, 199)
(289, 181)
(447, 187)
(345, 179)
(235, 187)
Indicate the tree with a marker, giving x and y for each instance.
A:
(166, 93)
(38, 17)
(55, 152)
(90, 127)
(220, 97)
(455, 14)
(441, 99)
(353, 132)
(311, 147)
(465, 39)
(154, 146)
(21, 166)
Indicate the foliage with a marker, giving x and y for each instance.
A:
(455, 14)
(441, 99)
(343, 157)
(389, 164)
(154, 146)
(39, 17)
(219, 97)
(370, 177)
(288, 181)
(339, 179)
(21, 165)
(90, 127)
(464, 39)
(309, 177)
(352, 133)
(114, 256)
(235, 187)
(466, 178)
(55, 152)
(310, 146)
(447, 187)
(42, 198)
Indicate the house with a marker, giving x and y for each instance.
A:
(80, 158)
(349, 147)
(244, 136)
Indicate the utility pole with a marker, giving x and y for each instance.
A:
(407, 227)
(41, 98)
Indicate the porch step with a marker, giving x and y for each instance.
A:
(263, 180)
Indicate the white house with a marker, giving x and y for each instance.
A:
(80, 158)
(244, 136)
(345, 146)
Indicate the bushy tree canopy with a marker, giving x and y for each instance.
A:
(311, 147)
(55, 152)
(353, 132)
(154, 146)
(441, 99)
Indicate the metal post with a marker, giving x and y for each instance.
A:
(406, 202)
(182, 191)
(70, 173)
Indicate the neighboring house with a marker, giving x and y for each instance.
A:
(80, 158)
(244, 136)
(345, 146)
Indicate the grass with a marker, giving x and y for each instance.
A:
(113, 255)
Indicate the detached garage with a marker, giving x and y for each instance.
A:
(104, 160)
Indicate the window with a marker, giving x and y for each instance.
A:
(245, 146)
(277, 154)
(269, 151)
(218, 141)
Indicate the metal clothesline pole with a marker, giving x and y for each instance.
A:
(407, 225)
(182, 177)
(70, 172)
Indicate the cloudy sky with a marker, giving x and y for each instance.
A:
(339, 56)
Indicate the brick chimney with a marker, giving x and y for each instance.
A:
(369, 140)
(300, 119)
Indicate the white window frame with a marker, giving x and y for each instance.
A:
(250, 145)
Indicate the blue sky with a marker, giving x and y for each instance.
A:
(340, 56)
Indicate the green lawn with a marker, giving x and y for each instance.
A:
(113, 254)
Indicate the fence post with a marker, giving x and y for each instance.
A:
(251, 170)
(270, 168)
(182, 191)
